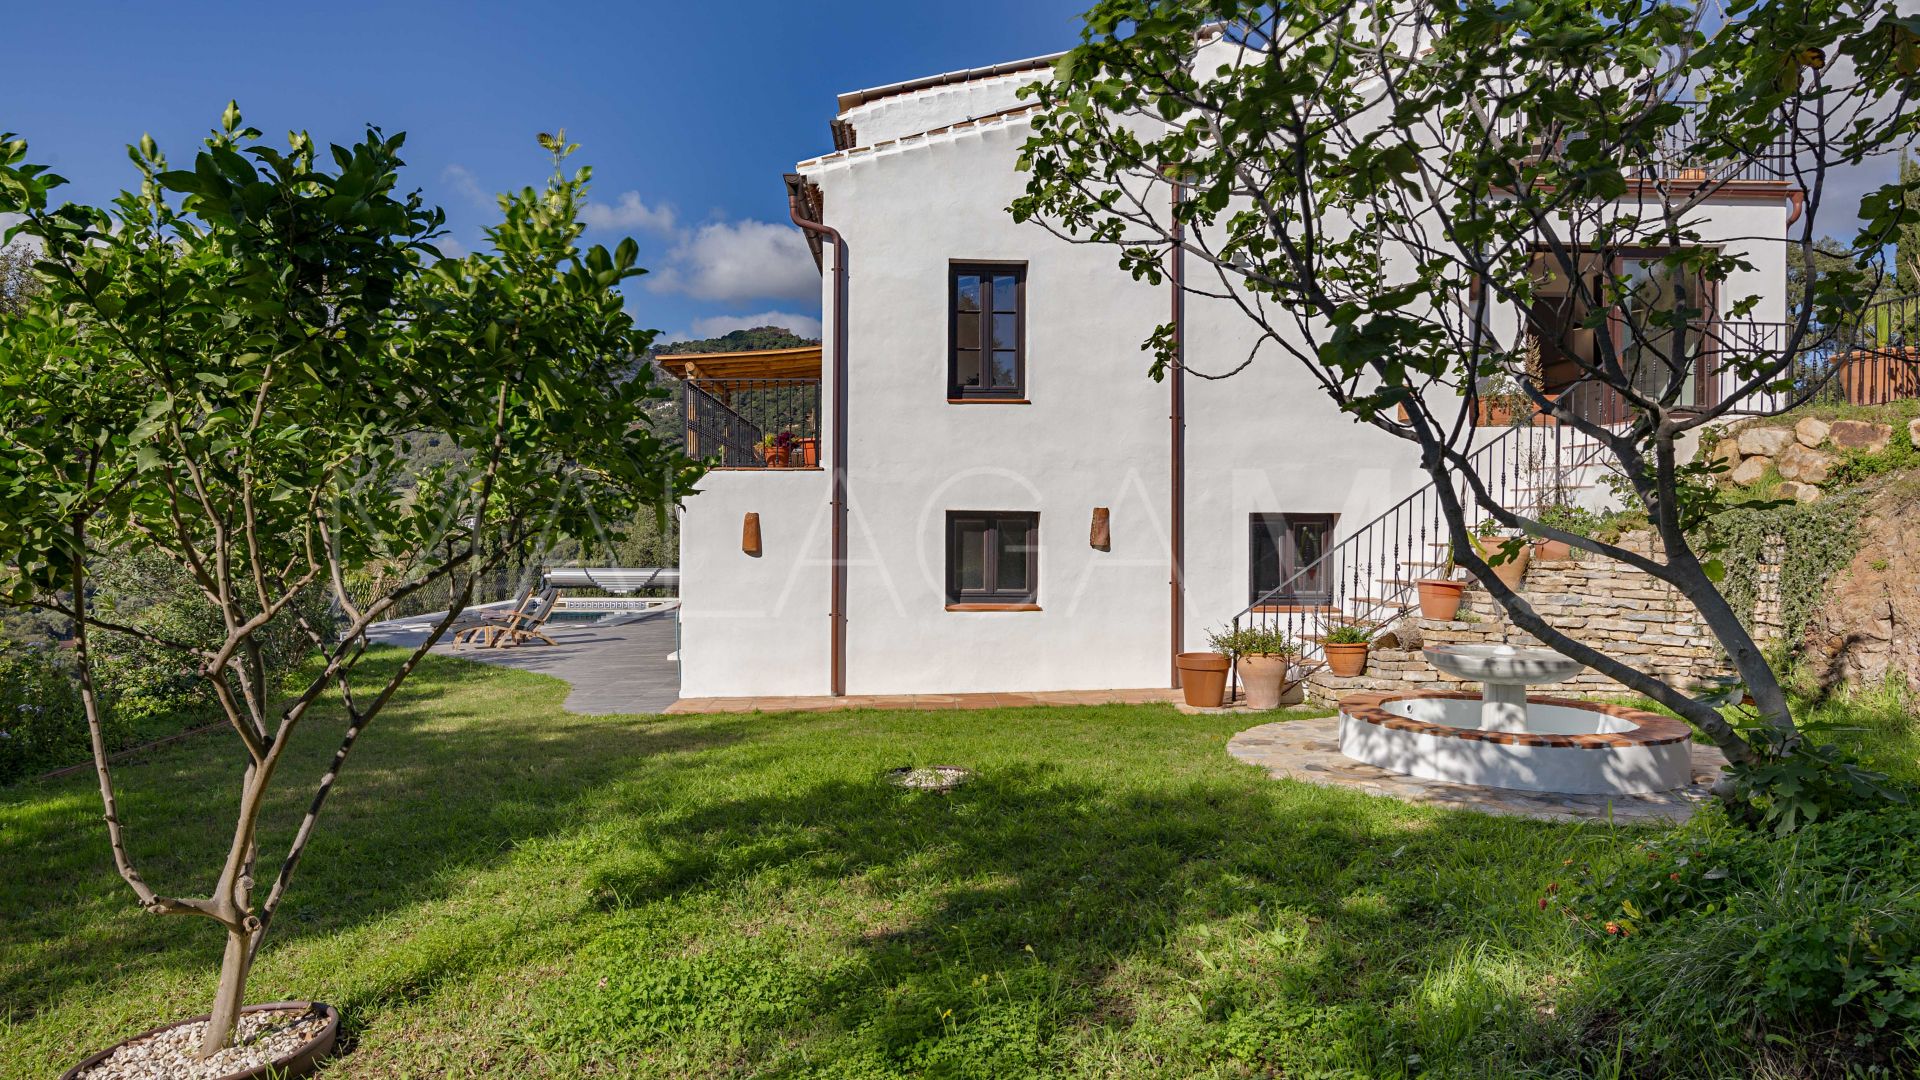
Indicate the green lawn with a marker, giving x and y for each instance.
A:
(503, 888)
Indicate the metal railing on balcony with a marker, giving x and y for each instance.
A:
(752, 423)
(1674, 154)
(1873, 359)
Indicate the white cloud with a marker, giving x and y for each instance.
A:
(628, 213)
(467, 185)
(715, 325)
(451, 248)
(741, 261)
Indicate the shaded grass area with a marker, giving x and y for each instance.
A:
(502, 888)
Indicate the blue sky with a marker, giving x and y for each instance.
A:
(688, 113)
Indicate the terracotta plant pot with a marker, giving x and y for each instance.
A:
(1203, 678)
(808, 451)
(1514, 570)
(1347, 660)
(1552, 550)
(777, 456)
(1440, 598)
(1494, 414)
(302, 1062)
(1265, 678)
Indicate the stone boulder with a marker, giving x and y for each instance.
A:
(1749, 470)
(1861, 435)
(1726, 454)
(1765, 441)
(1802, 493)
(1913, 430)
(1807, 466)
(1811, 432)
(1864, 631)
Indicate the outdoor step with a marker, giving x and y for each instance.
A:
(1320, 639)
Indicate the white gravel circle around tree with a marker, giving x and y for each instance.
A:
(260, 1039)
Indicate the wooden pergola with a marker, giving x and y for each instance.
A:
(798, 363)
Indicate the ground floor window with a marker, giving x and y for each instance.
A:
(1280, 548)
(993, 557)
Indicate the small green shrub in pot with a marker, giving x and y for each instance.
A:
(1252, 641)
(1349, 635)
(1346, 649)
(1266, 663)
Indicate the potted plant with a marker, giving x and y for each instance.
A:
(777, 449)
(1567, 518)
(1503, 403)
(1203, 678)
(1346, 649)
(807, 448)
(1267, 665)
(1440, 596)
(1509, 560)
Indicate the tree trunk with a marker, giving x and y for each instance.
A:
(231, 995)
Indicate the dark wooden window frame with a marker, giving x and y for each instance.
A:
(987, 270)
(1258, 522)
(1704, 389)
(992, 597)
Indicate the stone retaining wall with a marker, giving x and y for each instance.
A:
(1620, 610)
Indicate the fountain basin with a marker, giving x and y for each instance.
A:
(1504, 673)
(1502, 663)
(1568, 746)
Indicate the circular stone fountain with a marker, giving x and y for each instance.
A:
(1503, 738)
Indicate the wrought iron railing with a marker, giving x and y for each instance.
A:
(1371, 577)
(1876, 360)
(1674, 153)
(753, 423)
(1374, 572)
(1873, 359)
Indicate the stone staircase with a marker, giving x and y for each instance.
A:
(1369, 579)
(1620, 610)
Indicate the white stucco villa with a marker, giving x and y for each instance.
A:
(979, 488)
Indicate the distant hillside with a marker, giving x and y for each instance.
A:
(759, 337)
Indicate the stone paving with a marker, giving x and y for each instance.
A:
(630, 669)
(1309, 751)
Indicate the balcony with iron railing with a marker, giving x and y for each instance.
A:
(752, 423)
(1674, 154)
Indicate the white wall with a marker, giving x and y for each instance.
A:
(1266, 440)
(1094, 435)
(755, 626)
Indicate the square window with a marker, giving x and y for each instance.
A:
(993, 557)
(987, 331)
(1282, 550)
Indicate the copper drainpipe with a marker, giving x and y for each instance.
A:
(1177, 451)
(837, 447)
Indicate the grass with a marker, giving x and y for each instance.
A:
(503, 888)
(1896, 413)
